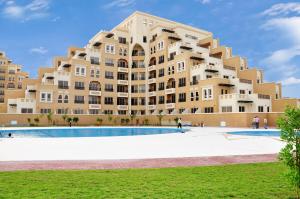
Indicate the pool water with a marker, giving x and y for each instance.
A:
(257, 133)
(88, 132)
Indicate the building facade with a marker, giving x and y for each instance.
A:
(146, 65)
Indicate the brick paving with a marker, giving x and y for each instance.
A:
(139, 163)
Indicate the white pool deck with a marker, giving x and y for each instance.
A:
(198, 142)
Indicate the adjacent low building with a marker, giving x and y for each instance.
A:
(146, 65)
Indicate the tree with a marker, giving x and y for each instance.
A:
(109, 118)
(49, 117)
(127, 121)
(36, 120)
(160, 117)
(69, 119)
(75, 120)
(289, 124)
(29, 121)
(132, 116)
(99, 121)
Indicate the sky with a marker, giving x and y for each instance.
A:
(266, 32)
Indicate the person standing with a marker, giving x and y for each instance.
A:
(179, 123)
(265, 123)
(254, 122)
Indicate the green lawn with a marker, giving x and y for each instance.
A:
(231, 181)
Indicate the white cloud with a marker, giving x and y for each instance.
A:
(204, 1)
(283, 56)
(120, 3)
(289, 26)
(39, 50)
(34, 9)
(283, 9)
(290, 81)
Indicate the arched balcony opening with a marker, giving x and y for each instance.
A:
(152, 61)
(122, 63)
(95, 86)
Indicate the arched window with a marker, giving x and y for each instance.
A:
(66, 99)
(59, 100)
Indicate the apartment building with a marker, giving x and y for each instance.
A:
(146, 65)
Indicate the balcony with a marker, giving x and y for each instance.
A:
(95, 93)
(121, 94)
(151, 81)
(31, 88)
(151, 94)
(94, 106)
(122, 107)
(240, 98)
(123, 82)
(170, 105)
(123, 70)
(151, 107)
(151, 68)
(170, 91)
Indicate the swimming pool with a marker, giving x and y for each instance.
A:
(275, 133)
(87, 132)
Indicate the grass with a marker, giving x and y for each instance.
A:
(264, 180)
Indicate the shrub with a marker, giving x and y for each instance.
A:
(289, 124)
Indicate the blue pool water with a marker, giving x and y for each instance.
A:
(257, 133)
(88, 132)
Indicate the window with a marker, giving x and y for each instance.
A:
(134, 101)
(92, 73)
(59, 99)
(194, 110)
(95, 60)
(122, 101)
(172, 56)
(108, 112)
(63, 84)
(66, 99)
(109, 62)
(241, 109)
(45, 111)
(182, 82)
(109, 48)
(192, 96)
(142, 76)
(26, 110)
(109, 75)
(207, 94)
(142, 88)
(180, 66)
(109, 88)
(78, 111)
(242, 91)
(226, 109)
(171, 70)
(108, 100)
(197, 95)
(80, 71)
(144, 39)
(161, 59)
(182, 97)
(161, 86)
(79, 85)
(122, 40)
(226, 76)
(161, 72)
(161, 99)
(93, 111)
(62, 111)
(160, 45)
(79, 99)
(208, 109)
(260, 109)
(46, 97)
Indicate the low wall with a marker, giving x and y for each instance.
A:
(212, 119)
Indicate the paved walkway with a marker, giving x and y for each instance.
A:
(139, 163)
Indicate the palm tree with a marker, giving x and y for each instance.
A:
(160, 117)
(49, 117)
(75, 120)
(29, 121)
(127, 121)
(109, 118)
(69, 120)
(36, 120)
(99, 121)
(132, 116)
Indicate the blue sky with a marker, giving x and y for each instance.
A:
(267, 32)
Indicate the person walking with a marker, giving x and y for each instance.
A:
(179, 123)
(257, 122)
(265, 123)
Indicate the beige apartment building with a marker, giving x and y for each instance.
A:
(146, 65)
